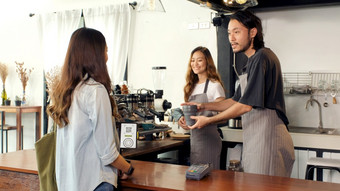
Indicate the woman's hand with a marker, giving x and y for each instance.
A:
(182, 123)
(122, 175)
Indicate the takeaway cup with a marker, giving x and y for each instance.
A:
(189, 110)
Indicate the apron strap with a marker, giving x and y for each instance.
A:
(206, 86)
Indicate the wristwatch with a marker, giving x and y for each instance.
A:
(130, 171)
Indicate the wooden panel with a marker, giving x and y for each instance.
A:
(10, 180)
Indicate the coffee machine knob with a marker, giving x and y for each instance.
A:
(166, 105)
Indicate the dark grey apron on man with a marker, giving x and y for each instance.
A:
(267, 146)
(206, 143)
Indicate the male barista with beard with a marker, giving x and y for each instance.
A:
(267, 146)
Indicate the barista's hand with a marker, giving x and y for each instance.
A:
(200, 106)
(201, 121)
(182, 123)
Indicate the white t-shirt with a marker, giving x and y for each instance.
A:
(88, 144)
(214, 91)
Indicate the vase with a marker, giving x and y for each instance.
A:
(23, 100)
(3, 95)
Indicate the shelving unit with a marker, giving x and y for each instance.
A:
(316, 83)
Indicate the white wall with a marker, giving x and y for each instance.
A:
(18, 42)
(303, 39)
(162, 39)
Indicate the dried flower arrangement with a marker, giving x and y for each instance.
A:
(52, 78)
(23, 73)
(3, 75)
(3, 72)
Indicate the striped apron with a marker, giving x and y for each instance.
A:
(205, 143)
(267, 146)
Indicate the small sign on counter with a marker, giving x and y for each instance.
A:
(128, 135)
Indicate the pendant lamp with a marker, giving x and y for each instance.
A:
(151, 5)
(240, 3)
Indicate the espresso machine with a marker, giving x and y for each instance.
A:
(145, 104)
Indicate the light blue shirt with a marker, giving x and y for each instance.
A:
(88, 144)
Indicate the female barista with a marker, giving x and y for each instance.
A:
(267, 146)
(203, 84)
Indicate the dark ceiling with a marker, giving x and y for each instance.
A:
(269, 5)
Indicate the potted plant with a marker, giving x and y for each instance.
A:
(8, 101)
(17, 101)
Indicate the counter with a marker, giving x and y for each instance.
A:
(301, 140)
(18, 171)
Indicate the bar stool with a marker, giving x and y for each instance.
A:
(321, 163)
(5, 128)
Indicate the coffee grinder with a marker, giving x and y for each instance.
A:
(160, 104)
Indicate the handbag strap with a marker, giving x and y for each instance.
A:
(54, 127)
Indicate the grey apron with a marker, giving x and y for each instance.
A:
(267, 146)
(205, 143)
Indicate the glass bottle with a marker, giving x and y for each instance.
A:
(23, 99)
(3, 95)
(235, 165)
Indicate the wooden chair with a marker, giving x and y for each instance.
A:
(5, 128)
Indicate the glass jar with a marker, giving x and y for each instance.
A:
(124, 88)
(235, 165)
(3, 95)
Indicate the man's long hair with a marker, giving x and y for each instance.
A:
(249, 20)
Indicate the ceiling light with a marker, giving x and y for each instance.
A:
(151, 5)
(240, 3)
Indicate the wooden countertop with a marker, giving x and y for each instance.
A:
(160, 176)
(19, 161)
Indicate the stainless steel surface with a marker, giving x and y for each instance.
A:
(310, 101)
(313, 130)
(144, 105)
(235, 123)
(311, 83)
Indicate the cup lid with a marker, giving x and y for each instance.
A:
(190, 107)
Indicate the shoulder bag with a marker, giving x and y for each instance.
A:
(45, 154)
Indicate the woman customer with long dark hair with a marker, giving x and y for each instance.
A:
(87, 154)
